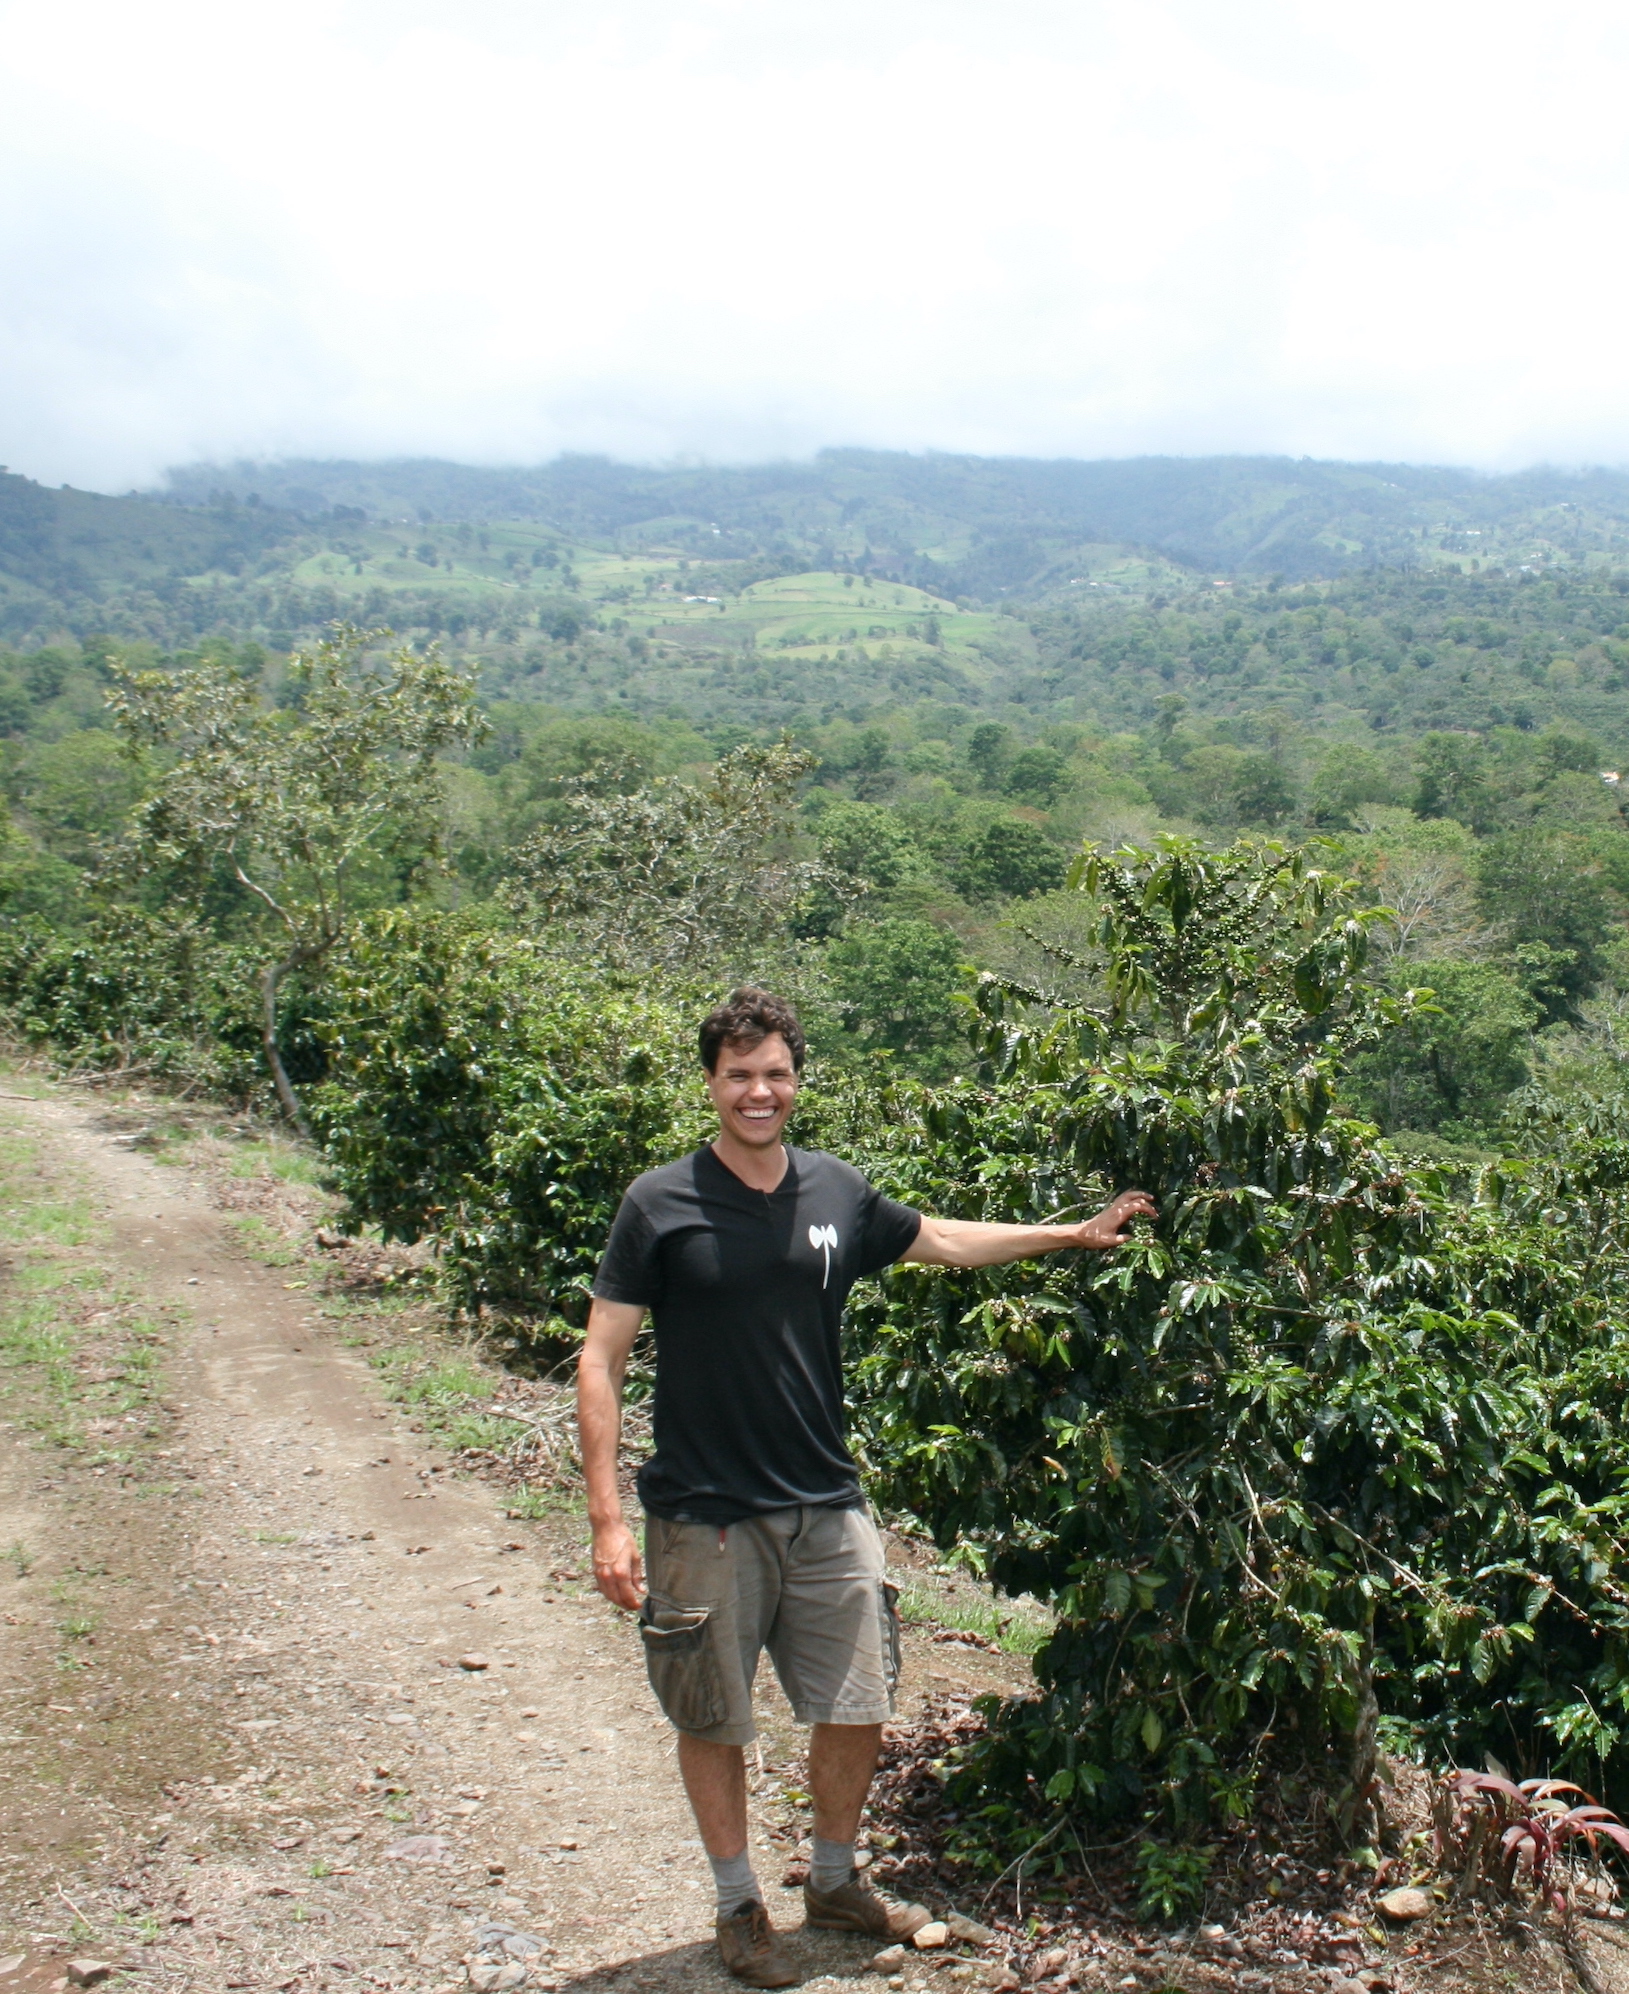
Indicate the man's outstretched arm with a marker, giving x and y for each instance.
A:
(619, 1571)
(971, 1243)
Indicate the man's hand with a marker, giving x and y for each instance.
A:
(619, 1571)
(1112, 1226)
(977, 1243)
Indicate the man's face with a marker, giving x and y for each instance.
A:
(753, 1088)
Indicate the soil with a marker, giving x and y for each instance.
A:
(289, 1700)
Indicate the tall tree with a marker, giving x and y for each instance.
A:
(678, 874)
(296, 804)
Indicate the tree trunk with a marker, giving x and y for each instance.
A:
(1360, 1807)
(270, 977)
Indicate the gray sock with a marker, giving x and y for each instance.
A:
(831, 1865)
(735, 1883)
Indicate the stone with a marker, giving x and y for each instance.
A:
(496, 1938)
(88, 1972)
(931, 1936)
(889, 1960)
(1404, 1906)
(474, 1663)
(1344, 1986)
(483, 1975)
(11, 1962)
(1211, 1933)
(969, 1930)
(512, 1973)
(420, 1849)
(1051, 1962)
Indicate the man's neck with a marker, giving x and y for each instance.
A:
(758, 1169)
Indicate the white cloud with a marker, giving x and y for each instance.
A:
(716, 229)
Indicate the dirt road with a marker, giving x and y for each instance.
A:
(285, 1703)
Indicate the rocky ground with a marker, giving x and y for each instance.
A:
(294, 1697)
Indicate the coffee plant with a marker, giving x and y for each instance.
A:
(1323, 1446)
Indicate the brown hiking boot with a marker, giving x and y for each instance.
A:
(859, 1906)
(751, 1951)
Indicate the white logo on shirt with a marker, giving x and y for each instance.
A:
(826, 1236)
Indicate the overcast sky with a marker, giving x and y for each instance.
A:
(738, 229)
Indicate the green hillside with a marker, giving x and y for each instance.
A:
(792, 595)
(984, 527)
(64, 552)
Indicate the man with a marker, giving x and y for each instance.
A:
(756, 1532)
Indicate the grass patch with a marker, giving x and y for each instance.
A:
(480, 1433)
(267, 1244)
(32, 1211)
(447, 1385)
(270, 1158)
(68, 1223)
(441, 1393)
(533, 1502)
(20, 1081)
(75, 1357)
(1015, 1629)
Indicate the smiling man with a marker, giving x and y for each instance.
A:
(756, 1533)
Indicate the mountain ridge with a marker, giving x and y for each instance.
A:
(988, 526)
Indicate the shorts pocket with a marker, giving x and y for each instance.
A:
(889, 1596)
(682, 1662)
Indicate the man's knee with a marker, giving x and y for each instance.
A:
(708, 1752)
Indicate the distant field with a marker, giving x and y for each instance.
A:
(669, 597)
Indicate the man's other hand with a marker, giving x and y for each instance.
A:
(1112, 1226)
(619, 1571)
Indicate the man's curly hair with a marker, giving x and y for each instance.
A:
(747, 1017)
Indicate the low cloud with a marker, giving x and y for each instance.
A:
(731, 232)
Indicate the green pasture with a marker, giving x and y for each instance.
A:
(667, 595)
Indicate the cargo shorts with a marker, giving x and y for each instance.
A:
(808, 1584)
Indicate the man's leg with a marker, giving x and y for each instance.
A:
(842, 1760)
(715, 1779)
(706, 1684)
(835, 1646)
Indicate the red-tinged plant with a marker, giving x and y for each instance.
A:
(1496, 1835)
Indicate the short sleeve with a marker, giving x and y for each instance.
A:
(886, 1230)
(629, 1270)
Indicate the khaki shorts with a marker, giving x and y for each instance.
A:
(807, 1584)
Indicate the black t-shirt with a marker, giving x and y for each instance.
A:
(746, 1291)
